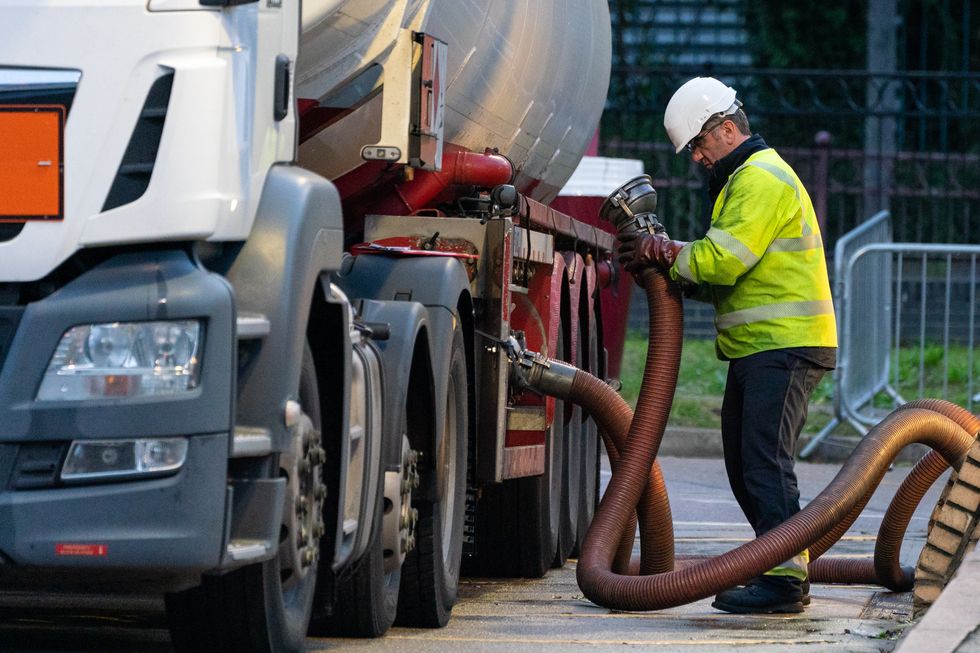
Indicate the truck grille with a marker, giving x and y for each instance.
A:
(136, 168)
(37, 465)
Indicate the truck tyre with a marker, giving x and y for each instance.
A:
(265, 607)
(573, 460)
(366, 599)
(430, 574)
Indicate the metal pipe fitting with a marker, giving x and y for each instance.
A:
(544, 375)
(632, 206)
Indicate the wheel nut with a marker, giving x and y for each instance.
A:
(292, 413)
(309, 555)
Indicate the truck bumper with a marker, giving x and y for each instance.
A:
(160, 533)
(156, 535)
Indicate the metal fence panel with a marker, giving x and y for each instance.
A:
(862, 353)
(864, 313)
(907, 325)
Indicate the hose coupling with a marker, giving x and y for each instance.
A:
(631, 207)
(544, 375)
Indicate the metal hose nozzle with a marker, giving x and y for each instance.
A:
(632, 206)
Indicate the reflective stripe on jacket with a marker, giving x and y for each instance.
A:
(763, 259)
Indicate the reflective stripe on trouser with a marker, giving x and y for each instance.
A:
(795, 567)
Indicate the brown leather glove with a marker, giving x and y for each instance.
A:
(639, 250)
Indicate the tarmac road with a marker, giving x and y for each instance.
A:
(550, 614)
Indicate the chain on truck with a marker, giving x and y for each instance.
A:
(259, 269)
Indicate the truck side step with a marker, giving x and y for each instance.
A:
(248, 550)
(250, 441)
(252, 326)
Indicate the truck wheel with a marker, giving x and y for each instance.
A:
(367, 599)
(430, 575)
(265, 607)
(573, 460)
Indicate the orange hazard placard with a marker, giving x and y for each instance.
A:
(31, 155)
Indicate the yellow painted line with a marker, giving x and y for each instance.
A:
(614, 641)
(651, 615)
(846, 538)
(712, 539)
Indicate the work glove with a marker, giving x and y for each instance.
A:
(640, 250)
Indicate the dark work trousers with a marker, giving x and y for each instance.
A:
(762, 415)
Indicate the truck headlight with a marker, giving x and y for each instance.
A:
(95, 459)
(124, 359)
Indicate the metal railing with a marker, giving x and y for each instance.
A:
(906, 315)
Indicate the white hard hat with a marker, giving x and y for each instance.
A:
(692, 104)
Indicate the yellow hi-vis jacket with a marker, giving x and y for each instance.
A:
(763, 262)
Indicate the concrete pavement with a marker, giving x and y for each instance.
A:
(551, 615)
(952, 624)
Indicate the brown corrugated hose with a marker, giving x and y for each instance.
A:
(700, 579)
(636, 490)
(886, 569)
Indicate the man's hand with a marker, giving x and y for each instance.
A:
(639, 250)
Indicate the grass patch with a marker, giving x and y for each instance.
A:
(701, 384)
(927, 372)
(922, 372)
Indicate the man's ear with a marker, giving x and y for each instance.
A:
(731, 131)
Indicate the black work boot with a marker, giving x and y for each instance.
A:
(763, 595)
(805, 586)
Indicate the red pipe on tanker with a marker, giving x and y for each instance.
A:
(459, 167)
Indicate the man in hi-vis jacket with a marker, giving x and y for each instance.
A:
(761, 264)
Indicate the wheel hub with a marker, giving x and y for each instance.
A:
(304, 523)
(399, 520)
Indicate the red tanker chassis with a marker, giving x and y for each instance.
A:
(538, 273)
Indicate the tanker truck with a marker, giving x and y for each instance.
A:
(262, 267)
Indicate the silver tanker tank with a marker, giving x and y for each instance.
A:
(528, 77)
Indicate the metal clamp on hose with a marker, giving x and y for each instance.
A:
(543, 375)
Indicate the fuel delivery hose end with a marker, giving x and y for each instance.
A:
(544, 375)
(632, 207)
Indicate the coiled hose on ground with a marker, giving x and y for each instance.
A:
(636, 491)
